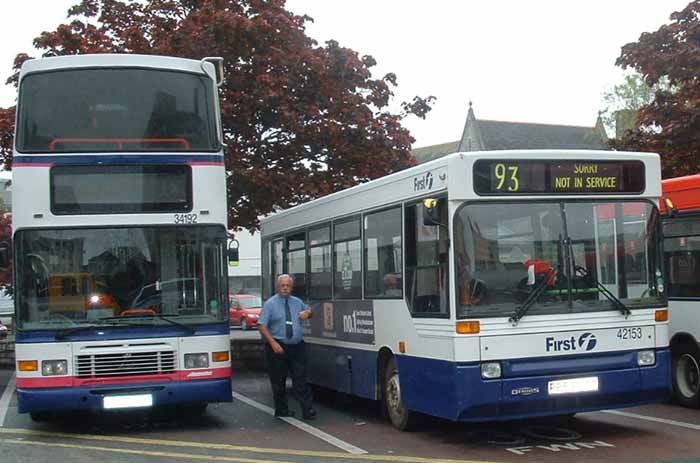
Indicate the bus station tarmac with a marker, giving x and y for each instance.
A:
(347, 430)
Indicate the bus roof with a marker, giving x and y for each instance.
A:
(401, 185)
(683, 191)
(55, 63)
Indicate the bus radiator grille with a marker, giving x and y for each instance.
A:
(125, 364)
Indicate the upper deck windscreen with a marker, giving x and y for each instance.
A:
(116, 109)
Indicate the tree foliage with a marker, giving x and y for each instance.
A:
(670, 123)
(300, 120)
(623, 101)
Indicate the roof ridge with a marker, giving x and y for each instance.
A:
(433, 146)
(538, 123)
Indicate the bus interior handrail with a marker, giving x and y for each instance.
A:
(119, 141)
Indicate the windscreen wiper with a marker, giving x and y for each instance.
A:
(62, 334)
(606, 292)
(535, 294)
(186, 328)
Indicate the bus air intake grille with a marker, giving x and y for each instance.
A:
(125, 364)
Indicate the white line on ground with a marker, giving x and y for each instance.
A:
(303, 426)
(680, 424)
(5, 399)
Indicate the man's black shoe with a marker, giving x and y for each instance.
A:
(284, 414)
(309, 414)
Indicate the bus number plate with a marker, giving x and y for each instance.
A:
(573, 386)
(181, 219)
(117, 402)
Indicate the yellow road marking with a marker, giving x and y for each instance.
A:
(150, 453)
(229, 447)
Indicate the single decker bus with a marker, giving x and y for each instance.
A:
(485, 285)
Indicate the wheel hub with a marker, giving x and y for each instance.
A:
(394, 393)
(688, 376)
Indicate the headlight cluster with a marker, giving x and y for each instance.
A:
(646, 358)
(199, 360)
(491, 370)
(54, 367)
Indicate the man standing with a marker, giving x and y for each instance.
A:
(280, 325)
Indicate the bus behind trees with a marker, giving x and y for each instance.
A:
(485, 286)
(119, 232)
(681, 209)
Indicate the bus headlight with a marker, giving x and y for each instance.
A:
(200, 360)
(491, 370)
(54, 367)
(646, 358)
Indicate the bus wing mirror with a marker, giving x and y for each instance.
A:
(5, 258)
(431, 212)
(218, 63)
(670, 207)
(232, 253)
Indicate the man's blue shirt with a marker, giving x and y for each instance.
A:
(273, 317)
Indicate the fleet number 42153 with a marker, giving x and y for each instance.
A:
(630, 333)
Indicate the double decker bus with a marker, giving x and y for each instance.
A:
(681, 218)
(485, 285)
(119, 235)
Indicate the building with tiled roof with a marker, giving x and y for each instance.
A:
(484, 135)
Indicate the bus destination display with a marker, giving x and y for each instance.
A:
(541, 177)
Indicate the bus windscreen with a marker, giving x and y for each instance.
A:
(107, 110)
(108, 189)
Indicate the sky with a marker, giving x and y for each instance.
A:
(547, 61)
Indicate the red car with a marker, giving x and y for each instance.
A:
(244, 310)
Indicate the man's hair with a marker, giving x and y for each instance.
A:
(283, 276)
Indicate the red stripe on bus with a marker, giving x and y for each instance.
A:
(72, 381)
(31, 164)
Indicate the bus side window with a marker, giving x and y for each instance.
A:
(320, 263)
(267, 269)
(347, 255)
(296, 263)
(382, 253)
(427, 267)
(682, 265)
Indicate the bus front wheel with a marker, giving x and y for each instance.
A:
(402, 418)
(686, 376)
(40, 417)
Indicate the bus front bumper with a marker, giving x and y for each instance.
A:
(529, 396)
(93, 398)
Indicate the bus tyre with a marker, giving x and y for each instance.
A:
(402, 418)
(686, 375)
(39, 417)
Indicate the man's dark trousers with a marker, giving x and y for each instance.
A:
(293, 361)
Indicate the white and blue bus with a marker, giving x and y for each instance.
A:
(485, 286)
(119, 235)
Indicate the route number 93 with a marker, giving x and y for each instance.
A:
(507, 177)
(181, 219)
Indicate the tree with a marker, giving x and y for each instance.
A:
(300, 120)
(623, 101)
(670, 123)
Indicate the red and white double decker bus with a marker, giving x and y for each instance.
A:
(119, 228)
(681, 212)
